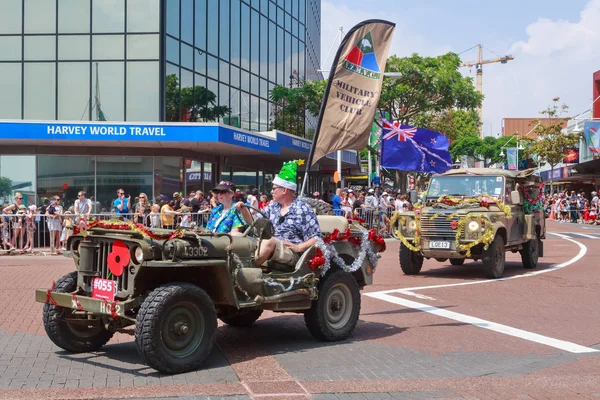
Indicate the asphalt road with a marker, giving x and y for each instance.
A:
(446, 333)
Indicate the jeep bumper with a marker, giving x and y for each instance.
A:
(114, 309)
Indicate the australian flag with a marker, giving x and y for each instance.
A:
(408, 148)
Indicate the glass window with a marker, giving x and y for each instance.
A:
(11, 48)
(73, 16)
(40, 16)
(264, 7)
(254, 113)
(236, 111)
(172, 50)
(200, 61)
(244, 179)
(208, 179)
(245, 79)
(225, 173)
(264, 115)
(24, 174)
(246, 111)
(10, 95)
(288, 56)
(255, 42)
(272, 11)
(302, 11)
(133, 174)
(187, 56)
(168, 174)
(142, 47)
(223, 96)
(200, 20)
(245, 37)
(172, 95)
(235, 33)
(280, 18)
(74, 47)
(224, 35)
(187, 21)
(235, 77)
(11, 16)
(199, 80)
(272, 52)
(39, 91)
(295, 27)
(142, 91)
(108, 16)
(264, 46)
(108, 47)
(172, 9)
(73, 90)
(213, 67)
(109, 79)
(143, 15)
(263, 88)
(213, 26)
(280, 58)
(295, 57)
(213, 86)
(254, 89)
(187, 95)
(224, 72)
(77, 172)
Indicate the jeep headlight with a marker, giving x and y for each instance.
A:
(411, 226)
(473, 226)
(138, 254)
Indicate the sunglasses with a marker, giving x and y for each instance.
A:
(282, 218)
(19, 198)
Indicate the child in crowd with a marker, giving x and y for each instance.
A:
(6, 245)
(67, 229)
(30, 225)
(154, 216)
(185, 217)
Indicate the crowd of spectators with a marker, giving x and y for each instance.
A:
(572, 207)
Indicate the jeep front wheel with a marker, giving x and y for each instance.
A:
(175, 328)
(68, 330)
(530, 253)
(333, 316)
(411, 262)
(457, 261)
(494, 259)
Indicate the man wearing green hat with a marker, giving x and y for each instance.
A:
(295, 222)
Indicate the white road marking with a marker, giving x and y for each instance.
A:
(417, 295)
(584, 235)
(507, 330)
(582, 252)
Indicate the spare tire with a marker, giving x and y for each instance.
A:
(320, 207)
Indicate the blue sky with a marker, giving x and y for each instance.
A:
(556, 45)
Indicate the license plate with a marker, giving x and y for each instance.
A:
(104, 289)
(439, 245)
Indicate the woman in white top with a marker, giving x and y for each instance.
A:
(401, 202)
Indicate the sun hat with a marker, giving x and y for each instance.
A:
(225, 186)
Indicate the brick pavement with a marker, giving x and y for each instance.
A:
(277, 358)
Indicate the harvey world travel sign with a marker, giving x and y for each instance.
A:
(98, 132)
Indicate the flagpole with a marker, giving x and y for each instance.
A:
(311, 154)
(369, 168)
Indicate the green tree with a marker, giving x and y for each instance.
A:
(292, 103)
(5, 187)
(197, 104)
(551, 141)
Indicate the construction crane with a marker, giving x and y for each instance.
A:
(479, 69)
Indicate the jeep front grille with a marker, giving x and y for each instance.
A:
(438, 227)
(100, 269)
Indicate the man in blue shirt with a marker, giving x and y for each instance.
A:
(121, 204)
(337, 202)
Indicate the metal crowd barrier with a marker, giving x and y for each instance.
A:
(26, 233)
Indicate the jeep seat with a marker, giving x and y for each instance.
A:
(329, 223)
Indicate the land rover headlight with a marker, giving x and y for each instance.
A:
(138, 254)
(473, 226)
(411, 226)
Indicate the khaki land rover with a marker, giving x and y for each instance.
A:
(477, 214)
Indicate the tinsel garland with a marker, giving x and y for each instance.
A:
(530, 208)
(528, 197)
(127, 226)
(486, 238)
(326, 252)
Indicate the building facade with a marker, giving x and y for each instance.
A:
(143, 63)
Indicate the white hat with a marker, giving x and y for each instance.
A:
(371, 191)
(594, 193)
(385, 194)
(350, 191)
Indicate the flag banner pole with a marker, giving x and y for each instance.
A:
(352, 92)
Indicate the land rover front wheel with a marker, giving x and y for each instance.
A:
(530, 253)
(494, 259)
(175, 328)
(457, 261)
(334, 314)
(411, 262)
(68, 330)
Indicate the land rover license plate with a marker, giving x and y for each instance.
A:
(436, 244)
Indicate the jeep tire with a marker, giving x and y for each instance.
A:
(175, 328)
(411, 262)
(241, 318)
(457, 261)
(320, 207)
(333, 316)
(494, 259)
(530, 253)
(63, 327)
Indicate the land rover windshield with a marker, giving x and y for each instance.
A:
(465, 186)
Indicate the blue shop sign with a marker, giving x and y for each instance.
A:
(294, 143)
(135, 133)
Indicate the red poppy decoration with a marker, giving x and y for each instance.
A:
(454, 224)
(317, 260)
(118, 258)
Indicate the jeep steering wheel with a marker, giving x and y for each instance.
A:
(261, 228)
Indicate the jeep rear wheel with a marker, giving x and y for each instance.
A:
(333, 316)
(530, 253)
(70, 331)
(241, 318)
(175, 328)
(457, 261)
(411, 262)
(494, 259)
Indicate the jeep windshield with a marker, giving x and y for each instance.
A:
(465, 186)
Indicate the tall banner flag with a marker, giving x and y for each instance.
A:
(407, 148)
(511, 158)
(353, 90)
(591, 132)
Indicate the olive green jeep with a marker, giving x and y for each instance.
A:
(171, 286)
(477, 214)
